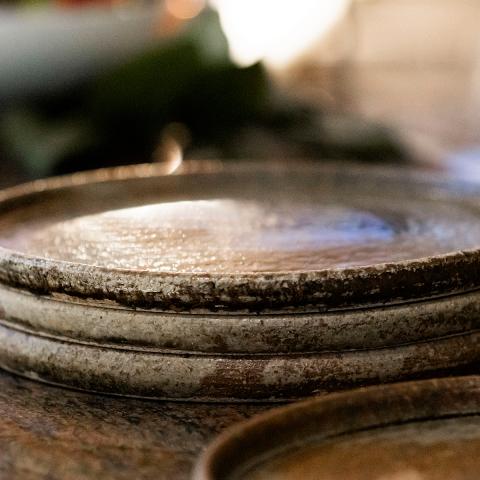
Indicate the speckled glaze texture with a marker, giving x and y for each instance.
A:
(310, 238)
(223, 377)
(361, 329)
(426, 430)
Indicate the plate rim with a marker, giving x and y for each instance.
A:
(309, 291)
(363, 409)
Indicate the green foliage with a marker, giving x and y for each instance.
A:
(118, 117)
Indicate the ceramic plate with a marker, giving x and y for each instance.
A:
(245, 238)
(428, 430)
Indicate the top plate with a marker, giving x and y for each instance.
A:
(241, 238)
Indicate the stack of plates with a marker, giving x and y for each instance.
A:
(247, 282)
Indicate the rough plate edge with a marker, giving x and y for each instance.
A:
(322, 290)
(219, 379)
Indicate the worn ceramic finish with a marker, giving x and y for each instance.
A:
(281, 333)
(48, 433)
(240, 239)
(226, 377)
(427, 430)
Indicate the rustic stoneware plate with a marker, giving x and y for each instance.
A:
(130, 329)
(426, 430)
(217, 377)
(240, 239)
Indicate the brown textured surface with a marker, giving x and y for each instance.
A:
(243, 238)
(424, 430)
(277, 234)
(49, 433)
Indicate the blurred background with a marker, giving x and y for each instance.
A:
(94, 83)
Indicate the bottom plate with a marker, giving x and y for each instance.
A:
(424, 430)
(225, 377)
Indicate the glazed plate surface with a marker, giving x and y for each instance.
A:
(254, 239)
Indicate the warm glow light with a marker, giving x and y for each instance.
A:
(184, 9)
(175, 161)
(275, 30)
(169, 153)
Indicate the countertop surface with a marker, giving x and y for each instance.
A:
(52, 433)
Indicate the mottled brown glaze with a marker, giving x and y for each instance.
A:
(226, 377)
(251, 239)
(237, 236)
(424, 430)
(47, 433)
